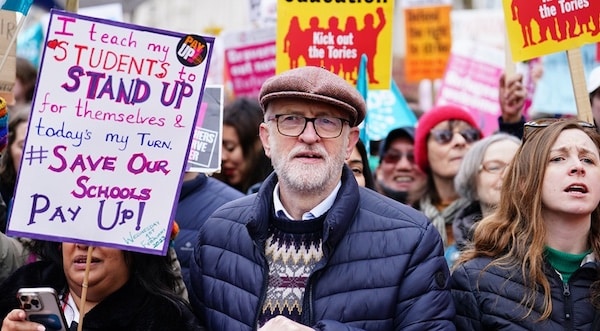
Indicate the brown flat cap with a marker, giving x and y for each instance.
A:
(317, 84)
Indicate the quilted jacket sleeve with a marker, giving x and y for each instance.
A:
(329, 325)
(194, 291)
(468, 315)
(425, 301)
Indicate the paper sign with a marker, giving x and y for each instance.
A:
(8, 27)
(110, 129)
(428, 42)
(249, 59)
(542, 27)
(472, 82)
(334, 35)
(205, 150)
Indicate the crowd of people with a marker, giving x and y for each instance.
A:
(451, 230)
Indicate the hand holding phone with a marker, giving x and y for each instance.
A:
(42, 306)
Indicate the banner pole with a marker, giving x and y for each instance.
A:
(582, 100)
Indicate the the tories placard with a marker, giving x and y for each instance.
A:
(540, 27)
(110, 129)
(334, 35)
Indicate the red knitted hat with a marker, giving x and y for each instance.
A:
(430, 119)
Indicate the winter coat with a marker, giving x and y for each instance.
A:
(199, 198)
(383, 266)
(130, 308)
(464, 224)
(490, 299)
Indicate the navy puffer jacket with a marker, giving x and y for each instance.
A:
(490, 300)
(383, 266)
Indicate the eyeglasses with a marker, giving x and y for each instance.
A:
(493, 167)
(530, 126)
(325, 126)
(445, 136)
(394, 156)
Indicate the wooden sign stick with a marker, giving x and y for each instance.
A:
(84, 287)
(509, 65)
(582, 100)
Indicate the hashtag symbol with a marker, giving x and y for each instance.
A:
(32, 155)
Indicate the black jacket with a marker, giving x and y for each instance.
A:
(490, 299)
(128, 309)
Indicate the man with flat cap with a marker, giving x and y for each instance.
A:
(311, 249)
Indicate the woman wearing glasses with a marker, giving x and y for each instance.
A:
(479, 180)
(534, 259)
(442, 138)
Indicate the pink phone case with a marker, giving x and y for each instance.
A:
(42, 306)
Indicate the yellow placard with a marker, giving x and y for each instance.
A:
(428, 42)
(335, 35)
(542, 27)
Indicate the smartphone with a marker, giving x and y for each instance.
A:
(42, 306)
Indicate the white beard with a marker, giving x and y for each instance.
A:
(307, 178)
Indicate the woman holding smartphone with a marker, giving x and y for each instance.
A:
(125, 290)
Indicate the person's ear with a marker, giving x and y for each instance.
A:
(263, 132)
(353, 136)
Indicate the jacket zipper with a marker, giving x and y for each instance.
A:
(568, 307)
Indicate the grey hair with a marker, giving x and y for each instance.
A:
(465, 181)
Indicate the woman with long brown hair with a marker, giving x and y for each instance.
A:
(533, 261)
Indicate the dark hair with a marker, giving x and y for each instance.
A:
(244, 115)
(153, 273)
(8, 173)
(369, 180)
(27, 74)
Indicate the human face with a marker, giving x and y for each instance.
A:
(489, 178)
(16, 148)
(307, 163)
(108, 270)
(570, 184)
(232, 162)
(402, 175)
(445, 159)
(355, 163)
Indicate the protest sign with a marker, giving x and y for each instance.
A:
(334, 35)
(428, 41)
(542, 27)
(109, 133)
(205, 150)
(8, 54)
(472, 82)
(249, 59)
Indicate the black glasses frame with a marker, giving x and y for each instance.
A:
(306, 121)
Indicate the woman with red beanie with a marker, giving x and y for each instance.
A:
(443, 136)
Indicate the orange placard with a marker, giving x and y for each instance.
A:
(428, 42)
(334, 36)
(539, 27)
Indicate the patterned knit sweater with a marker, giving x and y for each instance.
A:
(292, 249)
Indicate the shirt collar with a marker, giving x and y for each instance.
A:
(317, 211)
